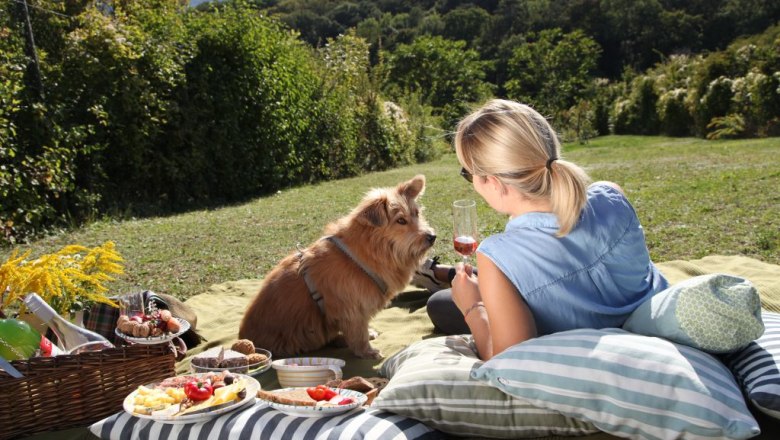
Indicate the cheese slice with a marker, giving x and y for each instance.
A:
(221, 396)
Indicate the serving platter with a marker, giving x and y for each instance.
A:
(252, 387)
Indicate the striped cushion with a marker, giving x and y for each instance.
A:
(431, 381)
(260, 422)
(625, 384)
(757, 367)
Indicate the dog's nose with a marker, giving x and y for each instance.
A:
(431, 238)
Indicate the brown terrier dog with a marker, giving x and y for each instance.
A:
(334, 287)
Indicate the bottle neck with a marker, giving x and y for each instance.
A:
(36, 305)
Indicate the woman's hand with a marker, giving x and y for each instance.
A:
(465, 291)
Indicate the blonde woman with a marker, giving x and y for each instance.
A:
(572, 255)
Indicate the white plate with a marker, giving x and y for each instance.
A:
(184, 326)
(252, 386)
(319, 411)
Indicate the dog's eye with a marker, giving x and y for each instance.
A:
(401, 221)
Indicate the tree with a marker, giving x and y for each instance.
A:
(465, 23)
(552, 70)
(314, 28)
(443, 72)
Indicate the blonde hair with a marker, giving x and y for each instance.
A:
(517, 145)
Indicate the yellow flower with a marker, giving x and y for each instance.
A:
(68, 279)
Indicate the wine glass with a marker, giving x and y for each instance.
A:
(132, 304)
(464, 222)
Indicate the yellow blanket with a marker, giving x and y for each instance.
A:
(405, 321)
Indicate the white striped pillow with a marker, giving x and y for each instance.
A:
(431, 381)
(625, 384)
(757, 367)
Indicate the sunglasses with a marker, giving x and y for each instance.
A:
(466, 175)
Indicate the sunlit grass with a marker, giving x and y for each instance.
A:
(694, 198)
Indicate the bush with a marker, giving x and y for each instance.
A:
(445, 74)
(673, 115)
(604, 95)
(551, 71)
(430, 140)
(36, 170)
(152, 108)
(113, 86)
(637, 114)
(695, 94)
(726, 127)
(671, 80)
(243, 115)
(577, 123)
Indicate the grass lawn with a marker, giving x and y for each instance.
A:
(694, 198)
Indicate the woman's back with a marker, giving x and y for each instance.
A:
(593, 277)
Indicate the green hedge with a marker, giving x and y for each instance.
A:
(734, 93)
(152, 108)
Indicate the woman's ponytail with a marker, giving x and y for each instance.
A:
(568, 193)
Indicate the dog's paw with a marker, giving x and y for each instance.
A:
(372, 334)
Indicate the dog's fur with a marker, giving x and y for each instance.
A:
(387, 234)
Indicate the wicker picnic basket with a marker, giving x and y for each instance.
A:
(69, 391)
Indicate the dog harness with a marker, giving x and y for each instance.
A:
(316, 295)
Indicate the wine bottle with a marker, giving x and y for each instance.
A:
(17, 339)
(72, 338)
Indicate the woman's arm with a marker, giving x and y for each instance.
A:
(504, 320)
(511, 321)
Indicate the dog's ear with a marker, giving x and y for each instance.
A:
(413, 188)
(374, 213)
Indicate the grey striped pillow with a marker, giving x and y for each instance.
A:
(260, 422)
(431, 381)
(757, 367)
(625, 384)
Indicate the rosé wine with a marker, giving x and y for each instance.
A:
(465, 245)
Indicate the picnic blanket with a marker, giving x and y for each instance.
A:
(405, 320)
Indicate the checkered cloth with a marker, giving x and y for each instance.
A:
(101, 318)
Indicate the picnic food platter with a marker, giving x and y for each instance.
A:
(184, 325)
(293, 402)
(169, 401)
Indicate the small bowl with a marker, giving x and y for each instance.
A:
(307, 371)
(251, 369)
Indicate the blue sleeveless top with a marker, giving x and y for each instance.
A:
(594, 277)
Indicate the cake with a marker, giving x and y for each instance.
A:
(218, 357)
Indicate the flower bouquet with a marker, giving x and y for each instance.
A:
(69, 280)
